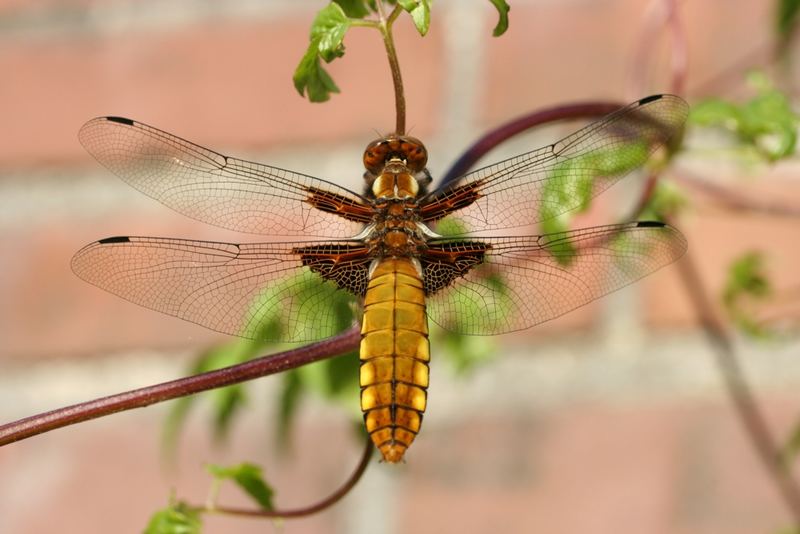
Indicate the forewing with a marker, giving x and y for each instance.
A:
(220, 190)
(267, 291)
(555, 179)
(524, 281)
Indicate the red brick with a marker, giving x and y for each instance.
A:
(224, 83)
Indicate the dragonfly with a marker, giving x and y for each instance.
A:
(463, 255)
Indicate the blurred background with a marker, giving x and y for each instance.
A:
(612, 419)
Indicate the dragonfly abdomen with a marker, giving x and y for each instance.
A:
(394, 357)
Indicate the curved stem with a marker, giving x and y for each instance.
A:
(328, 501)
(739, 391)
(394, 65)
(487, 142)
(138, 398)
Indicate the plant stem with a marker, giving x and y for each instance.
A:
(394, 65)
(579, 110)
(739, 391)
(328, 501)
(138, 398)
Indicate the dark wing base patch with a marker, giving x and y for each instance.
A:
(444, 262)
(345, 265)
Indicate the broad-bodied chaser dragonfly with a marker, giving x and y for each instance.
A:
(462, 256)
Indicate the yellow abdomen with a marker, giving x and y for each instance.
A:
(394, 357)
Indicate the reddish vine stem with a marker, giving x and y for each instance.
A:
(328, 501)
(739, 392)
(578, 110)
(138, 398)
(744, 401)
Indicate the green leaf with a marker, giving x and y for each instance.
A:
(311, 79)
(766, 124)
(746, 283)
(227, 403)
(787, 17)
(288, 402)
(248, 477)
(315, 294)
(328, 30)
(178, 518)
(569, 180)
(465, 353)
(355, 9)
(420, 11)
(666, 201)
(327, 34)
(502, 24)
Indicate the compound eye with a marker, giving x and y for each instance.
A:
(374, 156)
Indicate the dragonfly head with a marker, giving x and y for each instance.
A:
(396, 166)
(408, 150)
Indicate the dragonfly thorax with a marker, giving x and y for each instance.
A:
(396, 167)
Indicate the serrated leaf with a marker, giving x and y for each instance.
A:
(420, 11)
(502, 24)
(249, 478)
(355, 9)
(176, 519)
(326, 42)
(328, 30)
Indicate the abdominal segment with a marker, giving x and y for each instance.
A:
(394, 357)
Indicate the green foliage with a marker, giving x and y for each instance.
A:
(464, 353)
(177, 518)
(326, 42)
(665, 201)
(326, 38)
(248, 477)
(765, 125)
(791, 449)
(787, 16)
(355, 9)
(420, 11)
(746, 282)
(502, 24)
(569, 181)
(225, 402)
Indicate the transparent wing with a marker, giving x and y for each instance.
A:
(524, 281)
(555, 179)
(269, 291)
(216, 189)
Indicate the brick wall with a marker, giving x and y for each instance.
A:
(220, 74)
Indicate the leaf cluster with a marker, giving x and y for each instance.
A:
(746, 283)
(764, 126)
(326, 38)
